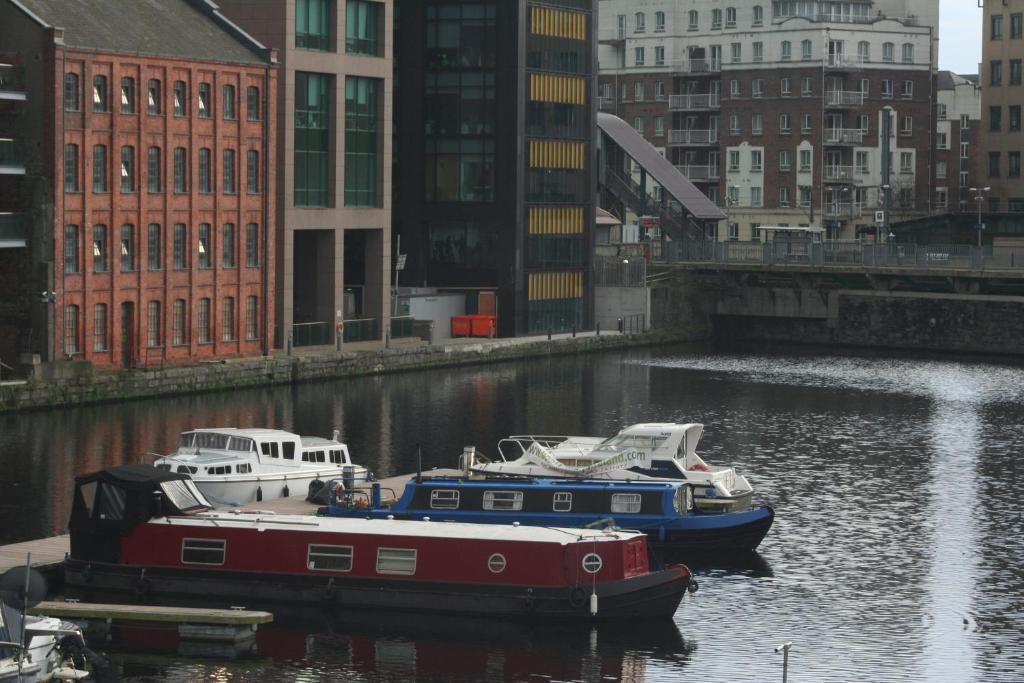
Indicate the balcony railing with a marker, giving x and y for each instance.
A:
(611, 35)
(843, 209)
(12, 161)
(13, 230)
(839, 173)
(12, 82)
(840, 61)
(693, 101)
(362, 329)
(844, 136)
(697, 172)
(311, 334)
(402, 327)
(844, 98)
(605, 103)
(698, 66)
(692, 137)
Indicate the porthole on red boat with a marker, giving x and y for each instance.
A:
(592, 563)
(496, 563)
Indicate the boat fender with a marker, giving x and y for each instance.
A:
(577, 596)
(284, 491)
(593, 604)
(693, 586)
(329, 591)
(259, 494)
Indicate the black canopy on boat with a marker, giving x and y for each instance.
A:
(110, 503)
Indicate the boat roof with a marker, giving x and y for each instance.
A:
(659, 428)
(251, 432)
(395, 527)
(318, 441)
(556, 483)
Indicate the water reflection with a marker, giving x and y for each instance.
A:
(897, 552)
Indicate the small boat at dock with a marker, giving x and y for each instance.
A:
(647, 450)
(141, 534)
(240, 466)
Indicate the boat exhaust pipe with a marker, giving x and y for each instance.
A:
(335, 434)
(468, 459)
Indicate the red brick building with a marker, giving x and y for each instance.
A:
(146, 135)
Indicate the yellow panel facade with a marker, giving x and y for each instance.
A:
(555, 220)
(546, 21)
(560, 89)
(556, 154)
(565, 285)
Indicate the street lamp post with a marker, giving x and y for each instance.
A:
(979, 197)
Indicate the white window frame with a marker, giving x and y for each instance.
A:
(562, 501)
(626, 503)
(214, 545)
(514, 499)
(316, 550)
(442, 499)
(396, 561)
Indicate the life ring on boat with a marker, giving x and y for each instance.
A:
(577, 596)
(698, 467)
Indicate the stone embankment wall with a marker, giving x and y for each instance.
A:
(86, 386)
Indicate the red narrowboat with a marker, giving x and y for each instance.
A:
(143, 534)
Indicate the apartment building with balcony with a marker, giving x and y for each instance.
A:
(495, 181)
(333, 190)
(138, 136)
(957, 150)
(775, 108)
(1002, 99)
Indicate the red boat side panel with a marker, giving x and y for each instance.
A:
(438, 558)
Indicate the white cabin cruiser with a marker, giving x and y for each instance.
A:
(650, 450)
(240, 466)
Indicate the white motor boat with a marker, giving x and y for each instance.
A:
(650, 450)
(240, 466)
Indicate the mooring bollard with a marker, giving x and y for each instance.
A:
(549, 334)
(289, 343)
(784, 649)
(621, 330)
(597, 329)
(573, 331)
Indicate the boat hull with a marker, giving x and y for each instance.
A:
(653, 595)
(222, 491)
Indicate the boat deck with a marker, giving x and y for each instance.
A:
(48, 553)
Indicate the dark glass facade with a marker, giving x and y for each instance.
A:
(494, 185)
(312, 139)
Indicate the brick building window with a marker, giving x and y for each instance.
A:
(805, 161)
(70, 330)
(99, 169)
(128, 169)
(784, 124)
(204, 321)
(71, 168)
(100, 98)
(127, 95)
(806, 86)
(1014, 122)
(995, 72)
(785, 86)
(1013, 165)
(252, 171)
(252, 238)
(784, 197)
(180, 98)
(805, 123)
(154, 247)
(180, 250)
(227, 172)
(995, 119)
(252, 318)
(154, 171)
(785, 160)
(228, 102)
(228, 319)
(71, 250)
(996, 27)
(252, 103)
(180, 169)
(227, 245)
(179, 335)
(757, 87)
(99, 327)
(1015, 26)
(205, 260)
(72, 101)
(154, 100)
(153, 324)
(127, 248)
(205, 171)
(994, 164)
(99, 248)
(908, 90)
(757, 124)
(205, 105)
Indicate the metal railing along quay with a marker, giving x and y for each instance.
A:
(844, 253)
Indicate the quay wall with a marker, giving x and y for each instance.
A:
(81, 384)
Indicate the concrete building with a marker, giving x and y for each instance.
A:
(495, 181)
(140, 140)
(1002, 100)
(957, 152)
(333, 185)
(776, 108)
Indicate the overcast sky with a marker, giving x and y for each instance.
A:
(959, 36)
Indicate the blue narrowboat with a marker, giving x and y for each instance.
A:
(663, 509)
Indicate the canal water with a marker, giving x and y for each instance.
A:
(897, 552)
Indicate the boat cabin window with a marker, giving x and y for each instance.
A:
(336, 457)
(626, 502)
(185, 469)
(187, 440)
(212, 440)
(165, 468)
(219, 469)
(289, 450)
(623, 441)
(682, 500)
(335, 558)
(111, 502)
(503, 500)
(89, 495)
(202, 551)
(314, 456)
(396, 560)
(269, 448)
(244, 468)
(562, 501)
(444, 500)
(184, 495)
(241, 443)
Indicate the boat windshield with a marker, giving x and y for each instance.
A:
(184, 495)
(621, 442)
